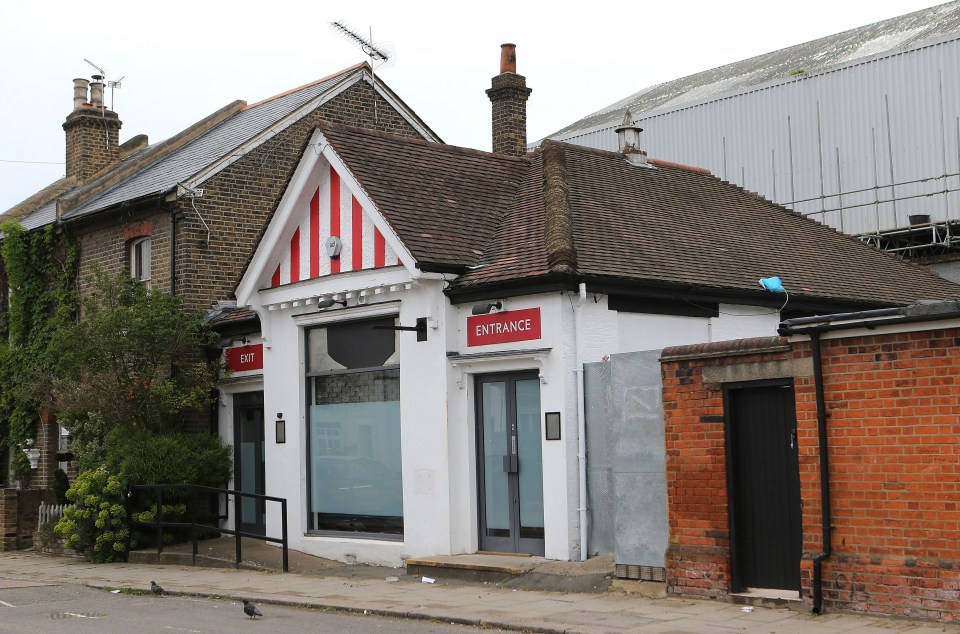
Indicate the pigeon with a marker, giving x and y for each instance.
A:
(157, 590)
(251, 610)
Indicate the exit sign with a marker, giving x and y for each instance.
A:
(245, 358)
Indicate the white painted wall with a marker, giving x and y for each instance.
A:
(438, 400)
(553, 368)
(638, 331)
(741, 322)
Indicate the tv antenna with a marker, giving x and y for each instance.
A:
(103, 75)
(373, 51)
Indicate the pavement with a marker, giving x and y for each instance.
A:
(596, 609)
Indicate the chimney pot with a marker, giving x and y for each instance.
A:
(92, 132)
(628, 138)
(79, 93)
(96, 92)
(508, 58)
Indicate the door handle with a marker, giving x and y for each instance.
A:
(510, 464)
(793, 438)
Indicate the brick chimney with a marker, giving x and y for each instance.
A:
(508, 92)
(93, 131)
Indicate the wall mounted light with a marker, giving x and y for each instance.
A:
(228, 343)
(483, 309)
(281, 429)
(552, 425)
(327, 302)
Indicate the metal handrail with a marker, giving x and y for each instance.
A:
(193, 525)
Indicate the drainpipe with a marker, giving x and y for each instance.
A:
(173, 252)
(820, 557)
(581, 422)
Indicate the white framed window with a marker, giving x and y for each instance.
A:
(140, 256)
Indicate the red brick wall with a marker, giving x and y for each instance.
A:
(893, 415)
(698, 555)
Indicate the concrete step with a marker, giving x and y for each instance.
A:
(484, 567)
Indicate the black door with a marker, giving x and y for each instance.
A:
(765, 517)
(510, 463)
(248, 460)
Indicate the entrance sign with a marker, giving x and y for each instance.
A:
(505, 327)
(245, 358)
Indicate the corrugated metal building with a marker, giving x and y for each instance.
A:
(860, 130)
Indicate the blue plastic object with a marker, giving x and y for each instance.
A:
(773, 284)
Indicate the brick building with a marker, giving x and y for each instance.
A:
(854, 413)
(427, 309)
(184, 215)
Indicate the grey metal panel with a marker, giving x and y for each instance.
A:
(860, 148)
(205, 149)
(892, 35)
(626, 461)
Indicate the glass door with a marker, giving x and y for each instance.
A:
(249, 475)
(510, 464)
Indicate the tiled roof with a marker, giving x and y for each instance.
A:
(159, 168)
(665, 227)
(679, 228)
(443, 201)
(217, 143)
(222, 317)
(887, 36)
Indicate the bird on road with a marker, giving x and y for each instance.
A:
(157, 590)
(251, 610)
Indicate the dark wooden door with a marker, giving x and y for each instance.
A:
(765, 489)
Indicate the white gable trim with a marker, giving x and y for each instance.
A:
(289, 215)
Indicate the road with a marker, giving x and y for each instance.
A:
(41, 608)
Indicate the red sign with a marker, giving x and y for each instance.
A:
(245, 358)
(505, 327)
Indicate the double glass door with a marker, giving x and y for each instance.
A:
(510, 463)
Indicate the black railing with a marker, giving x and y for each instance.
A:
(195, 526)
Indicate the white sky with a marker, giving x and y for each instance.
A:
(183, 60)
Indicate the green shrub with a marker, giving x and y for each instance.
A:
(146, 458)
(97, 522)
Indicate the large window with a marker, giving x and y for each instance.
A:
(353, 385)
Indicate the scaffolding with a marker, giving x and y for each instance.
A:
(922, 239)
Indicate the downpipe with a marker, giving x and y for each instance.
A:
(581, 422)
(820, 557)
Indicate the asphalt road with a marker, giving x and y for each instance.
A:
(44, 608)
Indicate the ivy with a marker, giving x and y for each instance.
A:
(41, 268)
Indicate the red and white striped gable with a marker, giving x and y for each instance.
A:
(333, 210)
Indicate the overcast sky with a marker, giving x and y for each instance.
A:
(180, 61)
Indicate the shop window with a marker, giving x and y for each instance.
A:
(353, 383)
(140, 256)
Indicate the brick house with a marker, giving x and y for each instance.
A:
(184, 215)
(856, 414)
(426, 311)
